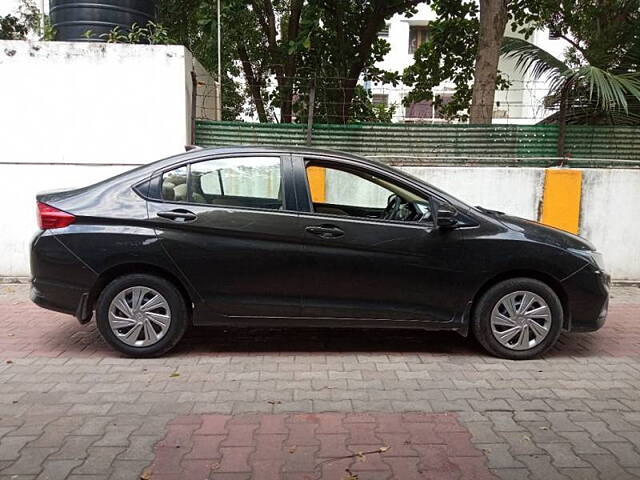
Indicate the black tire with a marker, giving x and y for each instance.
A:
(481, 321)
(179, 314)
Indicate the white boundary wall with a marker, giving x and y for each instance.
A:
(75, 113)
(93, 103)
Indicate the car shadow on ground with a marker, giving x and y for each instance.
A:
(205, 340)
(323, 340)
(65, 337)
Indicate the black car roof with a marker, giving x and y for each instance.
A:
(297, 150)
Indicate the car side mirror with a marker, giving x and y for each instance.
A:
(446, 215)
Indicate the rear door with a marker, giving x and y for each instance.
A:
(229, 224)
(359, 266)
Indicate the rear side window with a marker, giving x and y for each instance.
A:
(174, 185)
(254, 182)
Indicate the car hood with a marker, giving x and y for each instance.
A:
(544, 234)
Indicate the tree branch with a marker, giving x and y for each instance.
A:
(254, 88)
(574, 44)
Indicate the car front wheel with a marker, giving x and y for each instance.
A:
(141, 315)
(519, 319)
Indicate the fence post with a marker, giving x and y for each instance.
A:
(312, 102)
(194, 105)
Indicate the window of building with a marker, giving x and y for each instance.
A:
(425, 109)
(418, 34)
(554, 34)
(380, 99)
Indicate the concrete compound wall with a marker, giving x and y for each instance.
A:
(610, 218)
(75, 113)
(93, 103)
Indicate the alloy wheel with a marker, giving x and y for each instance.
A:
(521, 320)
(139, 316)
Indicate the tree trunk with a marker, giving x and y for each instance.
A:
(368, 35)
(254, 88)
(285, 66)
(493, 20)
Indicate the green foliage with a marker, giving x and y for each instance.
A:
(193, 23)
(594, 94)
(343, 47)
(603, 34)
(448, 57)
(151, 33)
(600, 75)
(115, 35)
(364, 110)
(282, 46)
(18, 26)
(531, 58)
(49, 33)
(12, 28)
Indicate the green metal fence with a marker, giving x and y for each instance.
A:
(419, 144)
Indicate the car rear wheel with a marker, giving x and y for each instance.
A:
(519, 319)
(141, 315)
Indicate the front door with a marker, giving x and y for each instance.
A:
(371, 251)
(229, 225)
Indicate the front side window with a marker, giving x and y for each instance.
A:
(356, 193)
(253, 182)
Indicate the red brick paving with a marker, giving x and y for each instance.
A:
(29, 331)
(328, 446)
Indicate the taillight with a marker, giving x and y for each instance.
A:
(49, 217)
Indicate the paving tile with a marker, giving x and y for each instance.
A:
(283, 446)
(57, 469)
(88, 413)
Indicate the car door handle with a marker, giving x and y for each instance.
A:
(179, 215)
(325, 231)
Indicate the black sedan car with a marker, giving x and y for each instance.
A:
(301, 237)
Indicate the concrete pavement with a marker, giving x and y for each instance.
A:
(313, 403)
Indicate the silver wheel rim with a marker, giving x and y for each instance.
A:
(521, 320)
(139, 316)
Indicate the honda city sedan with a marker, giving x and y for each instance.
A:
(267, 236)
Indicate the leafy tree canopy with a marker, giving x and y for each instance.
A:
(18, 25)
(282, 47)
(602, 33)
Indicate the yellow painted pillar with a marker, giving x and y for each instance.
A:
(561, 199)
(317, 184)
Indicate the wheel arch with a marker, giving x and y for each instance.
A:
(120, 270)
(545, 278)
